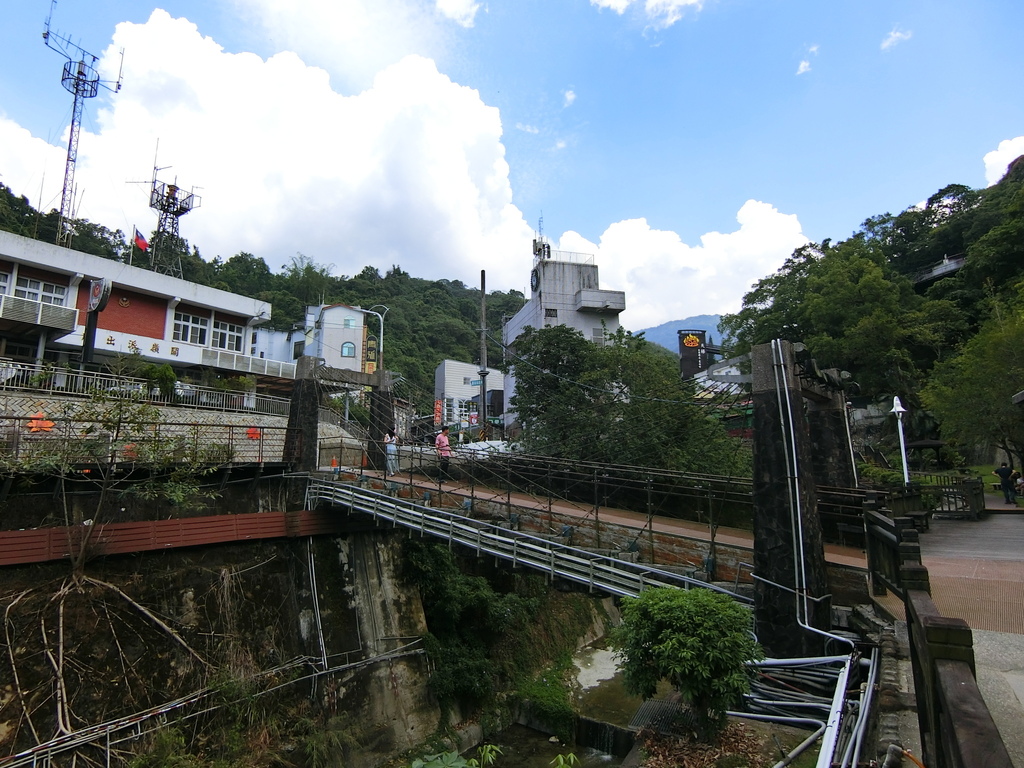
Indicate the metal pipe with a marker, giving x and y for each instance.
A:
(802, 746)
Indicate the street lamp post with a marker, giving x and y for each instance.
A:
(380, 343)
(381, 413)
(899, 410)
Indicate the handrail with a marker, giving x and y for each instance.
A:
(609, 574)
(56, 380)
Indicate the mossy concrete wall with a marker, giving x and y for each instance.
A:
(230, 614)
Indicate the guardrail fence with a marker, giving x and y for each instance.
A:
(66, 382)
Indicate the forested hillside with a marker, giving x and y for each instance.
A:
(427, 320)
(951, 348)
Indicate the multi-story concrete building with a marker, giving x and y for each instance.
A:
(45, 294)
(564, 290)
(457, 392)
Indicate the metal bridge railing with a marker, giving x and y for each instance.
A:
(598, 572)
(66, 382)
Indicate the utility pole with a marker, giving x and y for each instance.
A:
(483, 354)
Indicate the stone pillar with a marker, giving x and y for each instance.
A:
(382, 418)
(785, 508)
(304, 414)
(830, 441)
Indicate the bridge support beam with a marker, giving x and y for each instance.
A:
(789, 556)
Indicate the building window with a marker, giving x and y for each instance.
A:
(5, 280)
(598, 336)
(190, 328)
(551, 313)
(349, 322)
(23, 351)
(348, 349)
(297, 349)
(466, 380)
(227, 336)
(36, 290)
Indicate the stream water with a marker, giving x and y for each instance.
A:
(602, 697)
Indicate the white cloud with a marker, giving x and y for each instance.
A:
(997, 161)
(569, 98)
(665, 13)
(411, 171)
(352, 39)
(619, 6)
(527, 128)
(666, 279)
(895, 37)
(659, 13)
(805, 65)
(462, 12)
(560, 144)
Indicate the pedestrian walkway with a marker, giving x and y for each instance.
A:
(976, 570)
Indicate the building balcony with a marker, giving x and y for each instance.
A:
(600, 302)
(24, 315)
(217, 358)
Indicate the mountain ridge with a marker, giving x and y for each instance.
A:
(666, 334)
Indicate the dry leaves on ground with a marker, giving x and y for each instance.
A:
(735, 741)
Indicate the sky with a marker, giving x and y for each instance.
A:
(689, 145)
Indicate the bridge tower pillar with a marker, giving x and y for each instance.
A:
(304, 414)
(789, 556)
(831, 450)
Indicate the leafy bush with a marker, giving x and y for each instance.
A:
(696, 639)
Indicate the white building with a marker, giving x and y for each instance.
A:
(335, 333)
(564, 290)
(45, 294)
(457, 392)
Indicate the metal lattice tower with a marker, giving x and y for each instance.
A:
(171, 203)
(81, 79)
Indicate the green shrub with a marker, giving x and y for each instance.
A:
(696, 639)
(550, 698)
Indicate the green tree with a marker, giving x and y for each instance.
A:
(245, 274)
(618, 403)
(697, 640)
(854, 312)
(971, 393)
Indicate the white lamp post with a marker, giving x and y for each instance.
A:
(380, 343)
(899, 410)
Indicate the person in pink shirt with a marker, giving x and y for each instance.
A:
(444, 448)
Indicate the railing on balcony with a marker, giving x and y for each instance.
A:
(20, 310)
(46, 379)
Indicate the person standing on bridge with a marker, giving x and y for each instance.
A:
(1005, 475)
(444, 449)
(391, 452)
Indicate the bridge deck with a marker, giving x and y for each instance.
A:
(736, 537)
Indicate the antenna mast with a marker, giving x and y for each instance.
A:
(81, 79)
(171, 203)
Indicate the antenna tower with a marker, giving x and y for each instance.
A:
(82, 80)
(171, 203)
